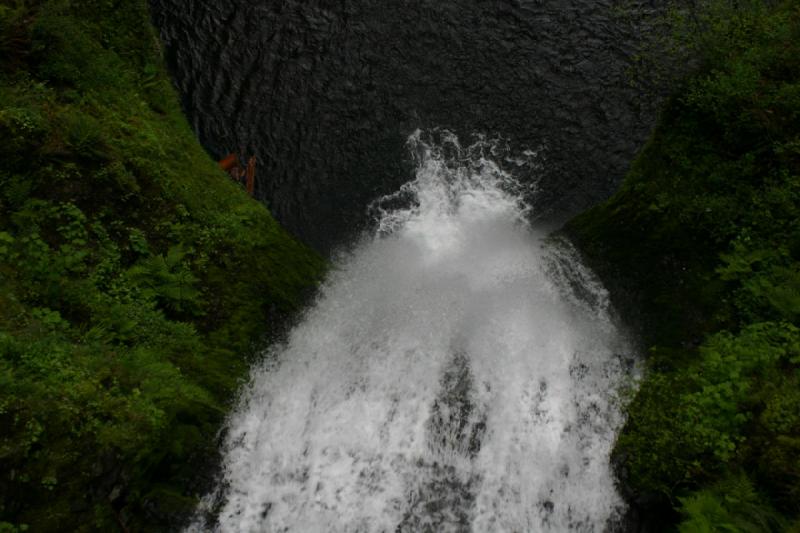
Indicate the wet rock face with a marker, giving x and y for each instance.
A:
(325, 93)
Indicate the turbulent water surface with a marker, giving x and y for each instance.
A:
(459, 372)
(324, 92)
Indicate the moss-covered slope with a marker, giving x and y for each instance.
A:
(134, 275)
(703, 241)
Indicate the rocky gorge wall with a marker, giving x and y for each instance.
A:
(325, 93)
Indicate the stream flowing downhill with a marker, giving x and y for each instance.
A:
(460, 371)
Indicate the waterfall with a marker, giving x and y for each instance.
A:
(460, 371)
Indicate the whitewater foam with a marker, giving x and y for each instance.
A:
(459, 372)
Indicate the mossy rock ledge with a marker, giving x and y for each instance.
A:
(137, 281)
(700, 249)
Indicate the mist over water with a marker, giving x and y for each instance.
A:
(459, 372)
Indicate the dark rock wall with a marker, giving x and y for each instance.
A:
(325, 93)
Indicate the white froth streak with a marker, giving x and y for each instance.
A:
(354, 424)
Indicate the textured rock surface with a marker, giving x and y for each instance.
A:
(325, 93)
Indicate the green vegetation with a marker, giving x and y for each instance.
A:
(135, 277)
(703, 241)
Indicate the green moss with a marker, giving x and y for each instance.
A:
(702, 243)
(135, 277)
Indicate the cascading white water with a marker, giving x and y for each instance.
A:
(459, 372)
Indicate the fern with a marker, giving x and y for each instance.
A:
(168, 280)
(731, 505)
